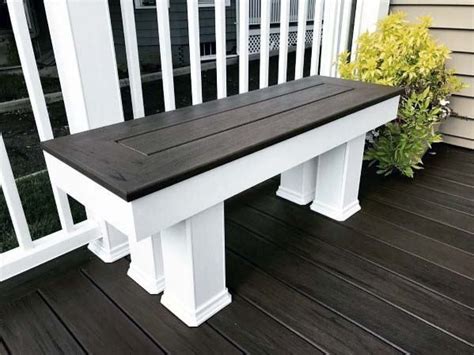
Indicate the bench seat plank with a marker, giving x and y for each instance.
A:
(135, 158)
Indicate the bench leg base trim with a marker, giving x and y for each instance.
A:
(193, 318)
(294, 197)
(336, 214)
(108, 255)
(151, 285)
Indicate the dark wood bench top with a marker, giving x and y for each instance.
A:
(135, 158)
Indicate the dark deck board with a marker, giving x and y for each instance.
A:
(3, 348)
(332, 331)
(464, 204)
(134, 160)
(94, 320)
(427, 274)
(148, 313)
(453, 175)
(429, 228)
(436, 183)
(449, 152)
(397, 290)
(391, 279)
(266, 336)
(429, 249)
(28, 326)
(371, 312)
(424, 208)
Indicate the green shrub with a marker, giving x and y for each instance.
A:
(403, 54)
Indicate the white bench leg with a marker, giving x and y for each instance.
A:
(194, 264)
(297, 184)
(146, 267)
(112, 246)
(337, 181)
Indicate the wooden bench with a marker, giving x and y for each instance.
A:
(162, 180)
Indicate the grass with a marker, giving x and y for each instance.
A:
(13, 86)
(40, 210)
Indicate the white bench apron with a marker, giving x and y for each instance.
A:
(162, 180)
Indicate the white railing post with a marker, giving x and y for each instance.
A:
(221, 60)
(194, 50)
(264, 42)
(21, 32)
(165, 54)
(16, 10)
(368, 12)
(133, 62)
(243, 46)
(85, 58)
(330, 41)
(315, 49)
(284, 28)
(344, 26)
(301, 43)
(12, 198)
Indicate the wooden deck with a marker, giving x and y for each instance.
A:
(396, 277)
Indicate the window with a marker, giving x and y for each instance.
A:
(150, 4)
(145, 4)
(210, 3)
(208, 50)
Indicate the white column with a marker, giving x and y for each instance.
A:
(112, 246)
(338, 178)
(85, 57)
(146, 267)
(298, 184)
(194, 265)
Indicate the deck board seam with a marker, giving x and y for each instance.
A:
(271, 316)
(312, 299)
(421, 235)
(412, 195)
(456, 172)
(44, 298)
(119, 308)
(433, 174)
(420, 183)
(404, 250)
(5, 345)
(369, 261)
(400, 207)
(383, 299)
(228, 339)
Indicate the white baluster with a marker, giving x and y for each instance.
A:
(221, 61)
(264, 43)
(284, 28)
(243, 46)
(165, 54)
(194, 51)
(133, 61)
(12, 198)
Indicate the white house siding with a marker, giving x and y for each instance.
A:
(453, 25)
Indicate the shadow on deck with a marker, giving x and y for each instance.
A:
(396, 277)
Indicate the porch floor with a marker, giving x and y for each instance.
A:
(395, 277)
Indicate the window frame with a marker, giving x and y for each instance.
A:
(139, 5)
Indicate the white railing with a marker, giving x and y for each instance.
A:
(84, 50)
(275, 14)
